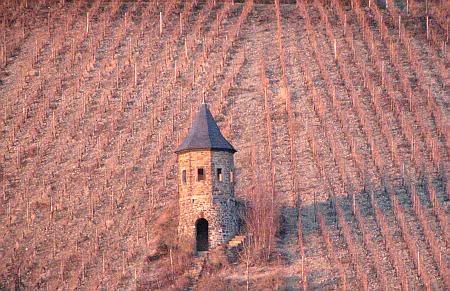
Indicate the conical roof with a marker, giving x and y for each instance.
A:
(205, 134)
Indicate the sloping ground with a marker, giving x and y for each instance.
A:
(344, 123)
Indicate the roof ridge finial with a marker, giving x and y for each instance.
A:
(203, 98)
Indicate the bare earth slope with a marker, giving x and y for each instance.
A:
(338, 109)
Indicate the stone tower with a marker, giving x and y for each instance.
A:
(207, 207)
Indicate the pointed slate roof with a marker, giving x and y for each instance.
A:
(205, 134)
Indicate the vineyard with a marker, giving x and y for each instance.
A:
(338, 109)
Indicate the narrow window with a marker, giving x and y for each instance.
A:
(231, 176)
(183, 176)
(219, 175)
(200, 174)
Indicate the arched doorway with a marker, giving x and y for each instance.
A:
(201, 234)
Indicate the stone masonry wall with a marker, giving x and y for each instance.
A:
(220, 212)
(209, 199)
(225, 161)
(190, 162)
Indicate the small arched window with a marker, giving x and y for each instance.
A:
(231, 176)
(183, 177)
(219, 175)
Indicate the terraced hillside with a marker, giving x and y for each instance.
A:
(339, 111)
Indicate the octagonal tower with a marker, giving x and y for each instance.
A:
(207, 207)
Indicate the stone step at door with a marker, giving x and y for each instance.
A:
(236, 241)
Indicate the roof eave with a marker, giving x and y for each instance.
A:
(182, 151)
